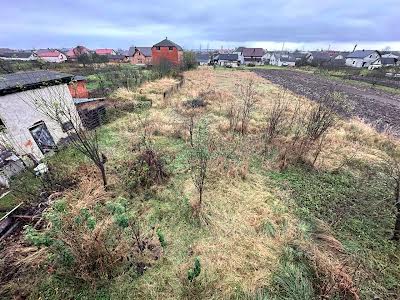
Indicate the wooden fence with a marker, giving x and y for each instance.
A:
(170, 91)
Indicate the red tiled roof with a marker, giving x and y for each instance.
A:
(48, 53)
(104, 51)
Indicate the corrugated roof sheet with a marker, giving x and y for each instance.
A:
(229, 57)
(22, 80)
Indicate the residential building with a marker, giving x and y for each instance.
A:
(383, 62)
(167, 50)
(117, 58)
(231, 60)
(319, 58)
(73, 53)
(362, 58)
(18, 55)
(51, 55)
(202, 59)
(30, 131)
(105, 51)
(282, 60)
(253, 56)
(140, 55)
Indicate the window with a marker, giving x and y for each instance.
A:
(354, 62)
(370, 56)
(170, 48)
(158, 48)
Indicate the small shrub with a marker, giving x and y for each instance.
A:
(161, 238)
(146, 171)
(195, 272)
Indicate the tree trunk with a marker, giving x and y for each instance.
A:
(396, 231)
(103, 174)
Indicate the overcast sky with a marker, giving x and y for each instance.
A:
(301, 24)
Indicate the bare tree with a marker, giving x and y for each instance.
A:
(199, 157)
(249, 97)
(52, 102)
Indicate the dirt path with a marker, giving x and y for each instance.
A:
(374, 106)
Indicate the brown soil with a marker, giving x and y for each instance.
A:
(380, 108)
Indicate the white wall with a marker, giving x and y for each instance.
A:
(362, 62)
(60, 58)
(18, 113)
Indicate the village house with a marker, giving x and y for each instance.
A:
(253, 56)
(117, 58)
(105, 52)
(383, 62)
(319, 58)
(18, 55)
(231, 60)
(140, 55)
(73, 53)
(202, 59)
(167, 50)
(282, 60)
(362, 58)
(51, 55)
(30, 132)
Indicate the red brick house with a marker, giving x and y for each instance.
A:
(167, 50)
(73, 53)
(140, 55)
(77, 87)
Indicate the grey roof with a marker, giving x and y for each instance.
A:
(16, 54)
(202, 57)
(79, 78)
(239, 49)
(15, 82)
(229, 57)
(321, 55)
(167, 43)
(146, 51)
(254, 52)
(388, 61)
(360, 53)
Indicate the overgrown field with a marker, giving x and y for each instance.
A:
(233, 188)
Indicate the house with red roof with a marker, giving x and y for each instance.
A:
(73, 53)
(105, 51)
(51, 55)
(167, 50)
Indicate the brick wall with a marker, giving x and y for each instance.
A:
(78, 89)
(173, 55)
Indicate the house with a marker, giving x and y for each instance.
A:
(383, 62)
(51, 55)
(231, 60)
(105, 52)
(73, 53)
(31, 132)
(362, 58)
(390, 54)
(318, 58)
(140, 55)
(341, 55)
(253, 56)
(282, 60)
(202, 59)
(168, 51)
(18, 55)
(77, 87)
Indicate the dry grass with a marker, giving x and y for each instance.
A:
(238, 251)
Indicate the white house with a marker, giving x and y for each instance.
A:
(227, 60)
(18, 55)
(29, 131)
(383, 62)
(239, 52)
(362, 58)
(51, 55)
(282, 60)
